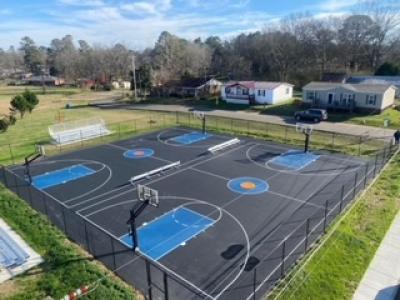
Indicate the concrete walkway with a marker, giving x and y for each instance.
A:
(382, 278)
(342, 128)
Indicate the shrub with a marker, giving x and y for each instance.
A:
(4, 125)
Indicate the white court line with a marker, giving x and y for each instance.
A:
(277, 227)
(152, 156)
(319, 223)
(268, 191)
(219, 209)
(162, 177)
(315, 173)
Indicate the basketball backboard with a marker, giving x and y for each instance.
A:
(148, 194)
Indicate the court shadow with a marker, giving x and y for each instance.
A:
(251, 263)
(232, 251)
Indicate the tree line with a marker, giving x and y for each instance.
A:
(298, 49)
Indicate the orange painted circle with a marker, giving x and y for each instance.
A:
(139, 153)
(248, 185)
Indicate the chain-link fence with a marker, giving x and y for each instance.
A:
(272, 256)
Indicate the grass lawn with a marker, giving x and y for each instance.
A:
(335, 271)
(66, 266)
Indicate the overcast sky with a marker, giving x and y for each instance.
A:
(137, 24)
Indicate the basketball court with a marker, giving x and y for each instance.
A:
(219, 214)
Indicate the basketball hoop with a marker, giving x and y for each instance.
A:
(306, 129)
(199, 114)
(148, 194)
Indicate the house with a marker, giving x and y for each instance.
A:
(384, 80)
(45, 80)
(362, 97)
(256, 92)
(126, 85)
(338, 77)
(193, 87)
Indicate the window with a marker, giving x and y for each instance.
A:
(227, 90)
(310, 95)
(330, 98)
(287, 91)
(370, 99)
(245, 91)
(261, 93)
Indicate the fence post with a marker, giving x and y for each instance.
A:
(366, 173)
(254, 283)
(166, 293)
(286, 130)
(80, 133)
(283, 259)
(149, 284)
(355, 185)
(113, 252)
(376, 162)
(11, 154)
(326, 214)
(45, 204)
(87, 237)
(307, 233)
(341, 199)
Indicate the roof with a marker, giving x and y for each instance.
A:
(334, 77)
(362, 88)
(43, 78)
(266, 85)
(188, 83)
(395, 80)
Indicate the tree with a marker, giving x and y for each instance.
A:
(34, 58)
(31, 99)
(388, 69)
(4, 125)
(19, 104)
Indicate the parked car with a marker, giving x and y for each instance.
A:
(312, 114)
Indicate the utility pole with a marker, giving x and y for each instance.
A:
(134, 75)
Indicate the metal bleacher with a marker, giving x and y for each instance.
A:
(11, 254)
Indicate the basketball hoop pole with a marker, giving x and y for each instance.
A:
(204, 124)
(134, 213)
(307, 142)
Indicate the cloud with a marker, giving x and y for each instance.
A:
(147, 7)
(335, 5)
(82, 2)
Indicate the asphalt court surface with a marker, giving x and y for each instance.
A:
(240, 219)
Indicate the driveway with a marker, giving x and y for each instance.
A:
(341, 128)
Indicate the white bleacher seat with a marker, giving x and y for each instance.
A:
(75, 131)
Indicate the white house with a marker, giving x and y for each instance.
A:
(126, 85)
(360, 97)
(256, 92)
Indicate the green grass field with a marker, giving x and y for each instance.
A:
(336, 269)
(65, 262)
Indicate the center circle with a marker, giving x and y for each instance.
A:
(139, 153)
(248, 185)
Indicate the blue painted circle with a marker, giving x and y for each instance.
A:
(236, 185)
(139, 153)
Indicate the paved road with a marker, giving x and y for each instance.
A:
(343, 128)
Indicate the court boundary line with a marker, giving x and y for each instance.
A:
(319, 223)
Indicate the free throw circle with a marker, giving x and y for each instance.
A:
(139, 153)
(248, 185)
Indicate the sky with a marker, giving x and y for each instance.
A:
(138, 23)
